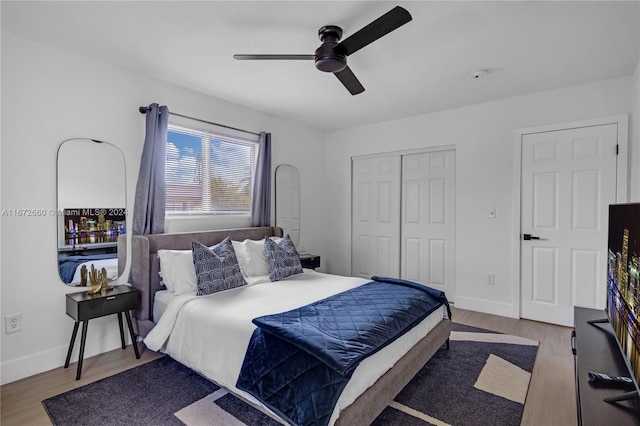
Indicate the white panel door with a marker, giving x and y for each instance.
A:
(375, 241)
(568, 181)
(427, 231)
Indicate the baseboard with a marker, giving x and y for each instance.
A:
(31, 365)
(485, 306)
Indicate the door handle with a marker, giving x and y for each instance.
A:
(528, 237)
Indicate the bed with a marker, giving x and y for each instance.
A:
(375, 381)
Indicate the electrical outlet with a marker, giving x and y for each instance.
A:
(13, 323)
(491, 279)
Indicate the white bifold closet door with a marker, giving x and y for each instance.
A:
(426, 230)
(375, 217)
(403, 217)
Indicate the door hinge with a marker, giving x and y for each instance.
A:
(617, 149)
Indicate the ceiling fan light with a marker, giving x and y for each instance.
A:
(330, 64)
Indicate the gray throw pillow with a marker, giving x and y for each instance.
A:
(217, 267)
(282, 258)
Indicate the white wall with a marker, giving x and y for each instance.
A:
(634, 148)
(49, 95)
(483, 136)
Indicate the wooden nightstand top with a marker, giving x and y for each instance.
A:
(82, 306)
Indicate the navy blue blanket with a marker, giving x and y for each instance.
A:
(298, 362)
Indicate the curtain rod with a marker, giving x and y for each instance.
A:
(144, 109)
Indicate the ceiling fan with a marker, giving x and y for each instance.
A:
(332, 54)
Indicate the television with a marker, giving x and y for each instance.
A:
(623, 287)
(91, 227)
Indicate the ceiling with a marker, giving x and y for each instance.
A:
(424, 66)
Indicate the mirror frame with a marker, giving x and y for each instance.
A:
(102, 212)
(294, 237)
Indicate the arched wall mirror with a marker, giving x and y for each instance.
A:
(92, 207)
(288, 201)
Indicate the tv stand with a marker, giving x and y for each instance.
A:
(626, 396)
(623, 397)
(596, 349)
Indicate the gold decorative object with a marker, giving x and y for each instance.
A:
(98, 281)
(83, 276)
(95, 281)
(103, 279)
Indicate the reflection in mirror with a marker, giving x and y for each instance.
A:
(288, 201)
(91, 209)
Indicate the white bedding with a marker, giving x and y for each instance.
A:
(210, 334)
(162, 300)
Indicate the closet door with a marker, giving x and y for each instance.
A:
(427, 233)
(375, 216)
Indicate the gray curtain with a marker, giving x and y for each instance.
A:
(261, 196)
(150, 201)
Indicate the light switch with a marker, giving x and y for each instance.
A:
(492, 213)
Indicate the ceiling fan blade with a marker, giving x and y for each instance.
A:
(382, 26)
(350, 81)
(270, 57)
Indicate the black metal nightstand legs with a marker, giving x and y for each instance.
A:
(134, 343)
(73, 341)
(121, 330)
(131, 333)
(83, 340)
(85, 325)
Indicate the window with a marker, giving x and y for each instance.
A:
(208, 173)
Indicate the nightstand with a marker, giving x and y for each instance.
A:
(310, 261)
(82, 307)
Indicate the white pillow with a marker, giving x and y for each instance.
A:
(177, 270)
(238, 247)
(179, 274)
(251, 257)
(255, 262)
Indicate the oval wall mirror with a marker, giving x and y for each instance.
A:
(92, 208)
(288, 201)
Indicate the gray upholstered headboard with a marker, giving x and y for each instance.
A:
(145, 264)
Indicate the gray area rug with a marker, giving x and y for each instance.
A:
(482, 379)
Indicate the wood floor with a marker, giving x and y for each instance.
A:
(550, 401)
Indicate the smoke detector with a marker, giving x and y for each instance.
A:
(476, 74)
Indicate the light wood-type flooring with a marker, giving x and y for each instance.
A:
(550, 401)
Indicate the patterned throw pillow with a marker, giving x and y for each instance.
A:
(217, 267)
(282, 258)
